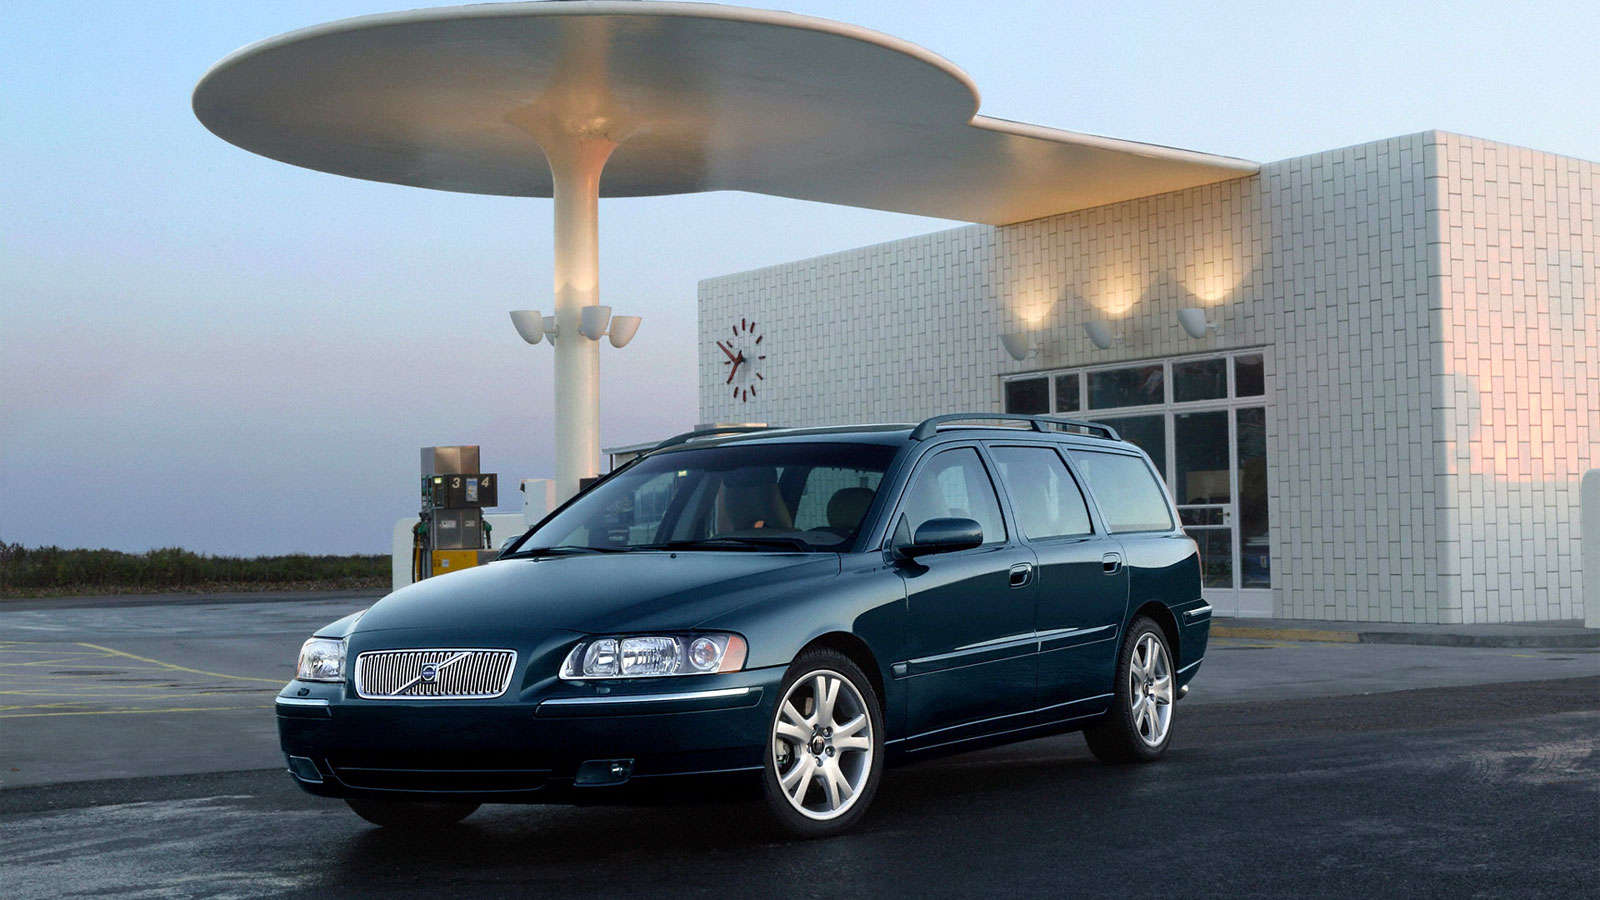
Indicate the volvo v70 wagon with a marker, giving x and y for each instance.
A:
(791, 607)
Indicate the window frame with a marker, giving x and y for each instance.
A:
(1097, 528)
(1007, 521)
(1174, 520)
(1084, 411)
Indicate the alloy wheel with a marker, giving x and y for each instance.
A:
(822, 745)
(1150, 690)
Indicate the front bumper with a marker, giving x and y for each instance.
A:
(527, 748)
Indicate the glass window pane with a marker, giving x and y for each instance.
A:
(1136, 386)
(1148, 433)
(1249, 379)
(833, 502)
(701, 492)
(1030, 396)
(1067, 393)
(1216, 556)
(1046, 499)
(1127, 492)
(1254, 550)
(1200, 379)
(955, 484)
(1201, 443)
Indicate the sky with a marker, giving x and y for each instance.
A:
(204, 348)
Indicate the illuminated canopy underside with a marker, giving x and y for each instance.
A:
(699, 97)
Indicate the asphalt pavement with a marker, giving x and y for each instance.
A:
(140, 760)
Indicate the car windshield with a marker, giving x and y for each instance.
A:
(810, 497)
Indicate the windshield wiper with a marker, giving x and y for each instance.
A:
(732, 543)
(565, 550)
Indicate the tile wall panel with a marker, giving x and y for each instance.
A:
(1517, 370)
(1322, 260)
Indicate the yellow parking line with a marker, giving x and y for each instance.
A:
(166, 665)
(125, 712)
(60, 661)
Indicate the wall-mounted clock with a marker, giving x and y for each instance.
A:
(743, 358)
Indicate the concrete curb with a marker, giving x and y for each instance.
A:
(1495, 636)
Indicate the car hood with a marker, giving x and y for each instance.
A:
(600, 593)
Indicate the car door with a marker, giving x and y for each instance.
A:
(969, 641)
(1082, 593)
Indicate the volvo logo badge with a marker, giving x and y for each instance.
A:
(429, 673)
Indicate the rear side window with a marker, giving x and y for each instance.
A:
(1130, 498)
(1046, 499)
(955, 484)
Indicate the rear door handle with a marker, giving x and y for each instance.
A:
(1111, 563)
(1021, 574)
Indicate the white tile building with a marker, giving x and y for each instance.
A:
(1387, 424)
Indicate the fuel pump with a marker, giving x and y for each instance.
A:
(451, 533)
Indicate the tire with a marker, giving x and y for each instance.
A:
(1139, 726)
(823, 760)
(411, 814)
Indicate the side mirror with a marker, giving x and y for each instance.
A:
(942, 536)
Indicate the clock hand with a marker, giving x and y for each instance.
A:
(738, 361)
(725, 350)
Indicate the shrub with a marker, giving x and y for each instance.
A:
(54, 570)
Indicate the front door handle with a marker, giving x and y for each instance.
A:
(1021, 574)
(1111, 563)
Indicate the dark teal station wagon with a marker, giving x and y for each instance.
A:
(790, 607)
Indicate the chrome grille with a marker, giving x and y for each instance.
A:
(458, 674)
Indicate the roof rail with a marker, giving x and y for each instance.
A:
(688, 436)
(930, 427)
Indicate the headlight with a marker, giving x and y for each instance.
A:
(656, 655)
(321, 659)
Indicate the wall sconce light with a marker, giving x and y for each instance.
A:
(1100, 335)
(1017, 345)
(534, 327)
(1194, 322)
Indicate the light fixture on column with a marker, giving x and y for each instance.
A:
(1018, 345)
(1100, 335)
(594, 322)
(623, 328)
(1194, 322)
(597, 322)
(529, 324)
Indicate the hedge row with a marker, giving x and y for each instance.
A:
(97, 571)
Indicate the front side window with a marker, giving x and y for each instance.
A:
(1130, 497)
(954, 484)
(1046, 500)
(737, 496)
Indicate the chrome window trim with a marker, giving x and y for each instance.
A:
(511, 672)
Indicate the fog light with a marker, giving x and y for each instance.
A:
(304, 769)
(604, 771)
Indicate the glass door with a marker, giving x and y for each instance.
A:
(1202, 485)
(1203, 420)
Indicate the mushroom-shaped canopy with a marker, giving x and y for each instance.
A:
(698, 97)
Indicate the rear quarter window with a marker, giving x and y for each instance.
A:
(1129, 496)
